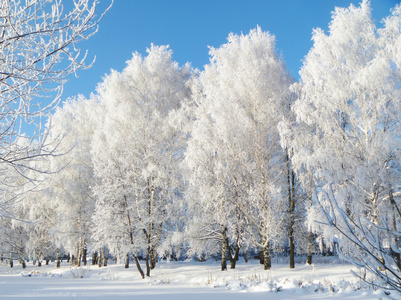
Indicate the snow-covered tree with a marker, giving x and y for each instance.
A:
(349, 99)
(20, 210)
(38, 51)
(137, 153)
(69, 192)
(234, 151)
(38, 217)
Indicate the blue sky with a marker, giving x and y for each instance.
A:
(190, 26)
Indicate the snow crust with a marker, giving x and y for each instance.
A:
(183, 280)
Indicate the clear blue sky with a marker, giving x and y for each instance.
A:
(190, 26)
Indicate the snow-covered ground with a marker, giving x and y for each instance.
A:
(185, 280)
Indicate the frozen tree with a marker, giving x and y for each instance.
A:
(299, 184)
(38, 217)
(38, 50)
(19, 234)
(234, 151)
(13, 239)
(69, 192)
(137, 153)
(215, 217)
(349, 99)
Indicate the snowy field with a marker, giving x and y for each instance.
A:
(185, 280)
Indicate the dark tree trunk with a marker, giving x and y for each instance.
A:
(310, 247)
(223, 249)
(291, 209)
(105, 257)
(261, 257)
(58, 258)
(47, 262)
(84, 254)
(126, 261)
(23, 263)
(234, 259)
(11, 263)
(151, 226)
(39, 263)
(147, 262)
(310, 234)
(94, 258)
(138, 266)
(292, 251)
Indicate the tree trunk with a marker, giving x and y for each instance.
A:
(310, 234)
(100, 258)
(126, 261)
(396, 241)
(267, 263)
(153, 258)
(147, 261)
(47, 261)
(79, 255)
(149, 234)
(72, 259)
(261, 257)
(223, 248)
(105, 256)
(39, 263)
(84, 254)
(291, 209)
(58, 258)
(94, 258)
(234, 259)
(23, 263)
(310, 247)
(138, 266)
(292, 250)
(11, 262)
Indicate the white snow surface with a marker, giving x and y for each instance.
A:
(185, 280)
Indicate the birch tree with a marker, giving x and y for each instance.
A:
(245, 92)
(137, 153)
(349, 94)
(69, 192)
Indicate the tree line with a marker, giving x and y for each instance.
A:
(169, 161)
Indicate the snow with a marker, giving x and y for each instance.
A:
(185, 280)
